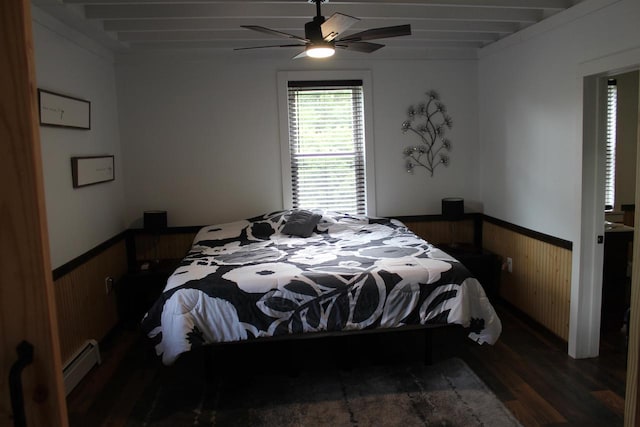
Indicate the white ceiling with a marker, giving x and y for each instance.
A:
(169, 25)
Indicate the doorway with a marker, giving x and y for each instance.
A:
(586, 300)
(620, 188)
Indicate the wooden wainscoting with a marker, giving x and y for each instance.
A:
(171, 244)
(540, 282)
(85, 310)
(438, 231)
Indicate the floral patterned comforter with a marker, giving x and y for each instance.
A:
(243, 280)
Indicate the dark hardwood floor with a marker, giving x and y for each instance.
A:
(531, 373)
(528, 369)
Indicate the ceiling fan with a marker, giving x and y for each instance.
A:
(321, 36)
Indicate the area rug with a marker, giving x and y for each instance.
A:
(448, 393)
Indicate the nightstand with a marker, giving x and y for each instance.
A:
(482, 264)
(138, 290)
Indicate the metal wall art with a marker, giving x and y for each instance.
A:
(428, 121)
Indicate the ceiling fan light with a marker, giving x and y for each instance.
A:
(320, 51)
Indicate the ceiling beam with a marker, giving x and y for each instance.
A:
(223, 44)
(516, 4)
(263, 10)
(297, 25)
(236, 37)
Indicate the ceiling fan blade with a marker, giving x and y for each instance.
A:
(302, 54)
(335, 25)
(364, 47)
(263, 47)
(378, 33)
(273, 32)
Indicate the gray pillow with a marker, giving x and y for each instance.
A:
(301, 223)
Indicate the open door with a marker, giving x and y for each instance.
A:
(632, 398)
(32, 392)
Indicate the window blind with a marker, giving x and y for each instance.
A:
(326, 144)
(610, 174)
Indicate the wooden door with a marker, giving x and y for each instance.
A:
(27, 309)
(632, 395)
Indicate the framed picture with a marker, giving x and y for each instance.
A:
(63, 111)
(92, 170)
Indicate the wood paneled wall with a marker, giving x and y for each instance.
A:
(442, 232)
(540, 284)
(85, 311)
(163, 246)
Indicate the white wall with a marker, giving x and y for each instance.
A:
(530, 92)
(200, 134)
(67, 63)
(530, 115)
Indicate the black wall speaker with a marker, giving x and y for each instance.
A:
(453, 208)
(155, 220)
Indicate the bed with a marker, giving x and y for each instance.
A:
(293, 273)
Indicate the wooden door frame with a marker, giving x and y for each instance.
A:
(27, 306)
(632, 399)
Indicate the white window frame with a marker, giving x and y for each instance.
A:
(284, 77)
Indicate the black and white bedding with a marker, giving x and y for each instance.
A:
(246, 279)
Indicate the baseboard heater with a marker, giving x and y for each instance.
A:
(80, 364)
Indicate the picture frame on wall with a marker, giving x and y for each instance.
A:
(92, 170)
(63, 111)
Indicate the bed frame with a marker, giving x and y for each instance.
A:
(414, 343)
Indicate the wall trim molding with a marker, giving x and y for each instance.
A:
(434, 217)
(578, 11)
(478, 217)
(91, 253)
(546, 238)
(169, 230)
(126, 234)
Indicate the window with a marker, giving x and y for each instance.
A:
(610, 175)
(326, 145)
